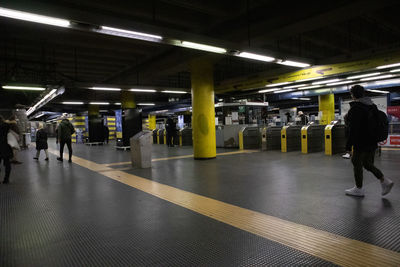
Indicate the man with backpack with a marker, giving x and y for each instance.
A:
(367, 127)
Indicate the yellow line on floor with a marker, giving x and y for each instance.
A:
(182, 157)
(327, 246)
(391, 148)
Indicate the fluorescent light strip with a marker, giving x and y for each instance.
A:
(117, 104)
(174, 92)
(129, 34)
(269, 90)
(99, 103)
(256, 57)
(276, 84)
(311, 79)
(326, 81)
(301, 98)
(105, 89)
(50, 95)
(393, 81)
(378, 77)
(146, 104)
(72, 103)
(363, 75)
(378, 91)
(339, 83)
(310, 87)
(14, 14)
(283, 91)
(395, 70)
(143, 90)
(388, 66)
(29, 88)
(294, 64)
(203, 47)
(294, 86)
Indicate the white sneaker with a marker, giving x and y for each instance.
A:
(387, 185)
(355, 191)
(346, 156)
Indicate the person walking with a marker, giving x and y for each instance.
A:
(364, 146)
(6, 152)
(65, 130)
(106, 133)
(171, 128)
(41, 143)
(14, 129)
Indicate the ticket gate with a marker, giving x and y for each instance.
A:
(335, 138)
(312, 138)
(155, 136)
(291, 138)
(271, 138)
(161, 137)
(185, 137)
(249, 138)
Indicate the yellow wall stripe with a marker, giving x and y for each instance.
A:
(327, 246)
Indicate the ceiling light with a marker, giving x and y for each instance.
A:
(52, 94)
(269, 90)
(203, 47)
(105, 89)
(117, 104)
(174, 92)
(294, 86)
(311, 79)
(377, 77)
(363, 75)
(301, 98)
(395, 70)
(378, 91)
(39, 115)
(143, 90)
(129, 34)
(276, 84)
(393, 81)
(146, 104)
(256, 57)
(310, 87)
(99, 103)
(283, 91)
(72, 103)
(14, 14)
(388, 66)
(326, 81)
(29, 88)
(294, 64)
(338, 83)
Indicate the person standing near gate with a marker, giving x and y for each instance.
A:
(361, 117)
(6, 152)
(171, 129)
(65, 130)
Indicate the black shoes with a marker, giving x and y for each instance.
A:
(36, 158)
(46, 159)
(59, 159)
(69, 160)
(6, 182)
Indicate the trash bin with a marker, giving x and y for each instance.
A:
(141, 149)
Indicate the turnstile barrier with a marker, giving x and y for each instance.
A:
(291, 138)
(312, 138)
(335, 139)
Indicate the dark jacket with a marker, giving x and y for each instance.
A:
(65, 130)
(170, 125)
(41, 139)
(5, 148)
(358, 125)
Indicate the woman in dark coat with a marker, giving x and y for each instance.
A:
(41, 143)
(6, 152)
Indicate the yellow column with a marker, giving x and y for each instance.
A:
(93, 110)
(127, 100)
(203, 118)
(152, 122)
(327, 106)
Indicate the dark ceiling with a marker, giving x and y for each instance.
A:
(313, 31)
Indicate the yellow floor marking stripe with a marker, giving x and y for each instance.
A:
(327, 246)
(390, 148)
(182, 157)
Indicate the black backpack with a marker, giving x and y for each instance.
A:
(378, 124)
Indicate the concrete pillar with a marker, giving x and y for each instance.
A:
(327, 106)
(203, 120)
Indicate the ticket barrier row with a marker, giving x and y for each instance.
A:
(307, 139)
(184, 137)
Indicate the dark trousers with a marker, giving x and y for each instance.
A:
(7, 165)
(364, 159)
(62, 143)
(170, 138)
